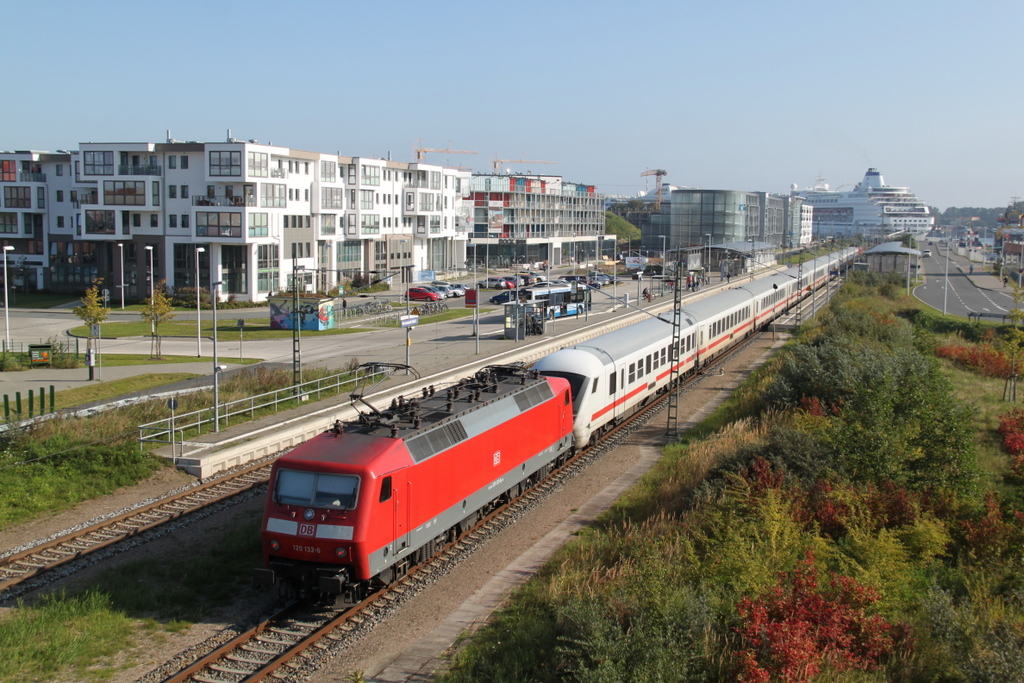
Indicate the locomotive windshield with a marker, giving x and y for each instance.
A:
(577, 385)
(335, 491)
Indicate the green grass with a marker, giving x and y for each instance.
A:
(83, 632)
(118, 387)
(61, 634)
(41, 300)
(226, 330)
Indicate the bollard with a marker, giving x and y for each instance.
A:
(17, 403)
(53, 404)
(7, 407)
(31, 403)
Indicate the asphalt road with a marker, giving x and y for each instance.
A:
(961, 293)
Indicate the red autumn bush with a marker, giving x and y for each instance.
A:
(1011, 428)
(984, 358)
(797, 628)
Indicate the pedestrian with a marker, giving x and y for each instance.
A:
(344, 307)
(970, 270)
(1005, 280)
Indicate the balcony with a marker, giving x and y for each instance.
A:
(85, 199)
(147, 169)
(278, 173)
(32, 177)
(223, 201)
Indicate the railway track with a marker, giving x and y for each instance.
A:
(39, 559)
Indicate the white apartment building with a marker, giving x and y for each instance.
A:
(261, 214)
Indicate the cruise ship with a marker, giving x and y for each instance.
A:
(872, 207)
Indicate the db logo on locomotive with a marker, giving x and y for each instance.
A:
(306, 529)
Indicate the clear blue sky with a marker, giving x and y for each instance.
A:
(731, 94)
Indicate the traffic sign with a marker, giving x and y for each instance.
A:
(94, 330)
(409, 320)
(241, 323)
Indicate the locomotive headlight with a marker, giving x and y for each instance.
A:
(275, 545)
(340, 552)
(308, 515)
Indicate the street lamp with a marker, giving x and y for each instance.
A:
(215, 291)
(7, 322)
(707, 267)
(152, 323)
(120, 248)
(199, 343)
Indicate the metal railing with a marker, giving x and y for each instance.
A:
(32, 177)
(202, 200)
(192, 423)
(139, 169)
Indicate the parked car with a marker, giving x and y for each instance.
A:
(457, 289)
(423, 294)
(496, 283)
(503, 297)
(443, 288)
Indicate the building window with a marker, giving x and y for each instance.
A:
(273, 195)
(370, 175)
(172, 191)
(156, 193)
(370, 224)
(258, 224)
(17, 197)
(184, 191)
(225, 164)
(186, 221)
(8, 222)
(332, 198)
(60, 195)
(259, 164)
(366, 199)
(136, 220)
(124, 192)
(218, 224)
(153, 221)
(60, 221)
(99, 223)
(328, 171)
(184, 161)
(9, 170)
(172, 161)
(267, 264)
(98, 163)
(328, 224)
(40, 197)
(435, 180)
(172, 220)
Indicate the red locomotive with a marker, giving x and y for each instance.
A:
(361, 503)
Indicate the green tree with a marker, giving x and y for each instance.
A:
(156, 310)
(92, 311)
(621, 228)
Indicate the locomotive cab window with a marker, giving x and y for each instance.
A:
(385, 489)
(334, 491)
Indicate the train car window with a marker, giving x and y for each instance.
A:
(657, 357)
(596, 382)
(385, 489)
(611, 383)
(648, 364)
(632, 372)
(622, 379)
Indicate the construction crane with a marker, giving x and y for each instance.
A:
(498, 162)
(420, 151)
(658, 175)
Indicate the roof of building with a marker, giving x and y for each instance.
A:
(892, 248)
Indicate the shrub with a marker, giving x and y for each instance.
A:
(797, 629)
(982, 358)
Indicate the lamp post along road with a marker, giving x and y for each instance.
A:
(7, 315)
(120, 248)
(152, 323)
(199, 339)
(215, 292)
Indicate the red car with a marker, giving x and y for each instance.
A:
(421, 294)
